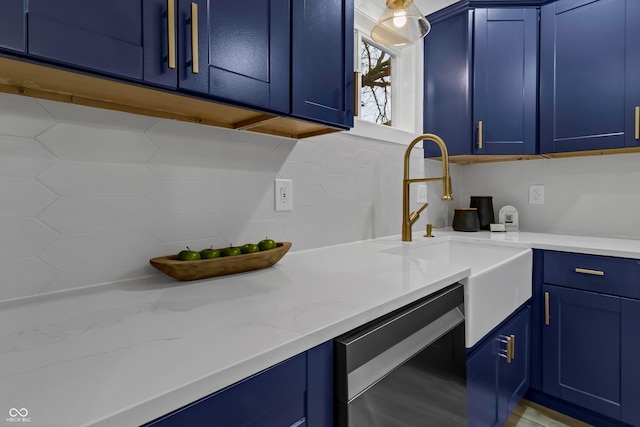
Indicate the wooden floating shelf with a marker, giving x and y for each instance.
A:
(56, 84)
(207, 268)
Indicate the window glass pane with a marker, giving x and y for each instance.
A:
(375, 97)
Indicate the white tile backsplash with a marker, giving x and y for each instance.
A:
(99, 144)
(91, 195)
(23, 196)
(22, 156)
(86, 179)
(596, 196)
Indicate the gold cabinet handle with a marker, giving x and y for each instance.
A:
(546, 309)
(508, 352)
(480, 134)
(592, 272)
(195, 64)
(512, 342)
(171, 32)
(356, 93)
(637, 122)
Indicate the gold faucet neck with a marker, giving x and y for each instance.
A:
(409, 219)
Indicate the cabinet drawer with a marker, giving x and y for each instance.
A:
(274, 397)
(607, 275)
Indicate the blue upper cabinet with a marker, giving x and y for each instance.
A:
(249, 54)
(322, 61)
(481, 82)
(12, 25)
(505, 70)
(101, 36)
(447, 100)
(237, 52)
(589, 84)
(175, 44)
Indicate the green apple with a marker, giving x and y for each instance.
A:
(266, 244)
(209, 253)
(230, 251)
(188, 255)
(249, 248)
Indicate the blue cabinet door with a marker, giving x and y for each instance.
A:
(102, 36)
(481, 66)
(320, 386)
(447, 100)
(497, 377)
(248, 52)
(630, 357)
(505, 70)
(482, 379)
(322, 61)
(183, 66)
(582, 349)
(274, 397)
(513, 374)
(632, 88)
(588, 79)
(12, 25)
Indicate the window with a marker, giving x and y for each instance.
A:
(375, 93)
(390, 102)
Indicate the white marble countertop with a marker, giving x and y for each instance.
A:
(127, 353)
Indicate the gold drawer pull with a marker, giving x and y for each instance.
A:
(195, 63)
(546, 309)
(171, 32)
(592, 272)
(480, 135)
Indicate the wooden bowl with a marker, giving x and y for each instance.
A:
(205, 268)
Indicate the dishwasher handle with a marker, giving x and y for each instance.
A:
(365, 356)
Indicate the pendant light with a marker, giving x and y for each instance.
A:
(401, 23)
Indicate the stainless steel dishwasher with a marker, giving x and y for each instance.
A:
(405, 369)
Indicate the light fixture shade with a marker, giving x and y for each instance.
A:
(401, 23)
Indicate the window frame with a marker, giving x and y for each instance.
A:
(406, 88)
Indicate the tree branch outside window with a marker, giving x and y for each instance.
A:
(375, 97)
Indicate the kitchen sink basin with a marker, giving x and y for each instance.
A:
(500, 279)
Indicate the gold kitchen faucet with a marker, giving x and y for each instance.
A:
(408, 219)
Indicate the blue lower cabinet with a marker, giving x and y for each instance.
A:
(591, 352)
(295, 393)
(498, 371)
(582, 349)
(630, 351)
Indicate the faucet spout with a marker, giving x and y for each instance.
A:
(408, 219)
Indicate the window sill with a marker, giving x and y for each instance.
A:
(365, 129)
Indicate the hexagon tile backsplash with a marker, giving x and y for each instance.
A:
(90, 195)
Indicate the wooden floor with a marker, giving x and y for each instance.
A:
(529, 414)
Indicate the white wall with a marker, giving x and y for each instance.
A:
(89, 195)
(597, 196)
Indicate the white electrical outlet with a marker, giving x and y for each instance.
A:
(284, 195)
(422, 193)
(536, 194)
